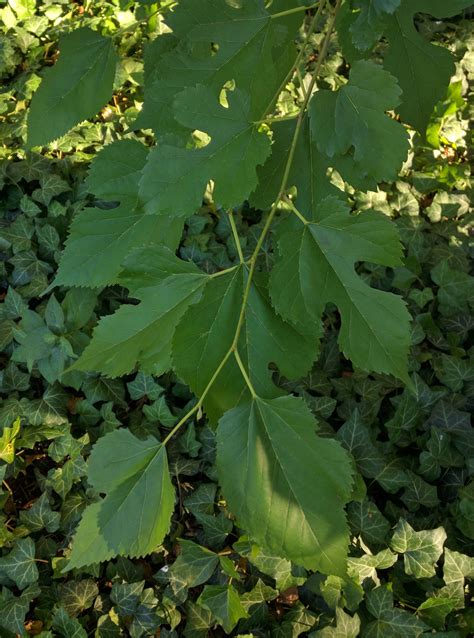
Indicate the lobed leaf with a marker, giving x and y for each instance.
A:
(215, 42)
(422, 69)
(286, 486)
(76, 88)
(354, 119)
(316, 266)
(174, 178)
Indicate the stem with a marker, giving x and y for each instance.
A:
(219, 273)
(286, 172)
(299, 57)
(244, 374)
(288, 12)
(272, 120)
(198, 405)
(236, 237)
(288, 201)
(263, 234)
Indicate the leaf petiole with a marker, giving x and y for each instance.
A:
(244, 374)
(236, 237)
(294, 210)
(288, 12)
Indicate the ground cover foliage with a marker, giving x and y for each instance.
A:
(410, 510)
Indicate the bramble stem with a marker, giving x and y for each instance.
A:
(299, 57)
(219, 273)
(289, 202)
(244, 374)
(198, 405)
(236, 237)
(288, 12)
(253, 259)
(286, 174)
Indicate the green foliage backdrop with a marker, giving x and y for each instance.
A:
(335, 496)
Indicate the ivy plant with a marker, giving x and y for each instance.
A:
(212, 83)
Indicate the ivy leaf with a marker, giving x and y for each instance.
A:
(316, 266)
(194, 565)
(353, 119)
(457, 566)
(19, 565)
(420, 550)
(66, 626)
(435, 609)
(13, 609)
(174, 178)
(78, 595)
(142, 334)
(41, 516)
(224, 603)
(286, 486)
(214, 42)
(99, 240)
(366, 519)
(423, 69)
(76, 88)
(207, 330)
(134, 516)
(347, 626)
(391, 622)
(7, 441)
(284, 573)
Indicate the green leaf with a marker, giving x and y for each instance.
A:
(370, 459)
(455, 372)
(316, 266)
(354, 119)
(423, 69)
(78, 595)
(365, 567)
(126, 521)
(13, 609)
(366, 519)
(20, 564)
(198, 621)
(392, 622)
(41, 516)
(100, 239)
(194, 565)
(368, 25)
(434, 610)
(267, 455)
(307, 173)
(206, 333)
(7, 441)
(224, 604)
(420, 550)
(174, 178)
(457, 566)
(284, 573)
(144, 386)
(214, 42)
(75, 88)
(142, 334)
(346, 627)
(66, 626)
